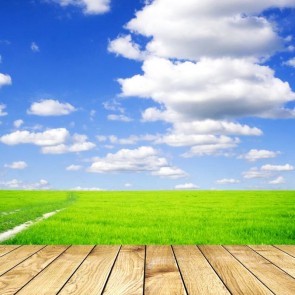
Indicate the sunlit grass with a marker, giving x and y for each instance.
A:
(166, 217)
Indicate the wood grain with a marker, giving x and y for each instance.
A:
(128, 273)
(91, 277)
(198, 275)
(17, 256)
(236, 277)
(51, 280)
(276, 280)
(290, 249)
(4, 249)
(15, 279)
(162, 275)
(277, 257)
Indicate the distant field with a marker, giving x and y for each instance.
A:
(166, 217)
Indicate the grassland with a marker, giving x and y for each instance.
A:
(170, 217)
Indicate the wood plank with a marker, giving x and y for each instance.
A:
(15, 279)
(277, 257)
(91, 277)
(274, 278)
(17, 256)
(128, 273)
(198, 275)
(162, 275)
(236, 277)
(4, 249)
(52, 279)
(290, 249)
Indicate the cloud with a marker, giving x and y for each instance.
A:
(120, 117)
(42, 184)
(49, 137)
(125, 47)
(227, 181)
(20, 165)
(73, 168)
(290, 62)
(50, 107)
(79, 188)
(18, 123)
(88, 6)
(114, 106)
(254, 155)
(34, 47)
(186, 186)
(142, 159)
(194, 29)
(2, 112)
(286, 167)
(278, 180)
(5, 80)
(256, 173)
(212, 89)
(128, 184)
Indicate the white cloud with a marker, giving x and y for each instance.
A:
(254, 155)
(18, 123)
(125, 47)
(142, 159)
(73, 168)
(128, 184)
(227, 181)
(278, 180)
(20, 165)
(120, 117)
(79, 188)
(256, 173)
(2, 112)
(212, 89)
(186, 186)
(290, 62)
(50, 107)
(286, 167)
(42, 184)
(35, 47)
(89, 6)
(5, 80)
(47, 138)
(193, 29)
(114, 106)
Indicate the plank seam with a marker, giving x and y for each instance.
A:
(42, 269)
(10, 250)
(227, 288)
(249, 270)
(271, 262)
(182, 279)
(22, 261)
(75, 270)
(109, 275)
(284, 251)
(144, 271)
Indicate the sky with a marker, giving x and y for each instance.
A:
(147, 95)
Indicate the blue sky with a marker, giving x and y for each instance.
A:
(147, 95)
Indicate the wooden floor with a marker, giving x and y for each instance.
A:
(151, 270)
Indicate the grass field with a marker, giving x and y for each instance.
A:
(166, 217)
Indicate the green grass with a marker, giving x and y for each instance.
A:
(166, 217)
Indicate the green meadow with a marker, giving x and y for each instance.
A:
(155, 217)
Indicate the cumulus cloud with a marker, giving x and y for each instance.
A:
(5, 80)
(74, 168)
(120, 117)
(290, 62)
(286, 167)
(34, 47)
(18, 123)
(227, 181)
(42, 184)
(187, 186)
(50, 107)
(125, 47)
(278, 180)
(254, 155)
(142, 159)
(49, 137)
(2, 112)
(19, 165)
(256, 173)
(88, 6)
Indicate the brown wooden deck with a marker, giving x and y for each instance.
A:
(151, 270)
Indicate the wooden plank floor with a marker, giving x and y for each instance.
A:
(151, 270)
